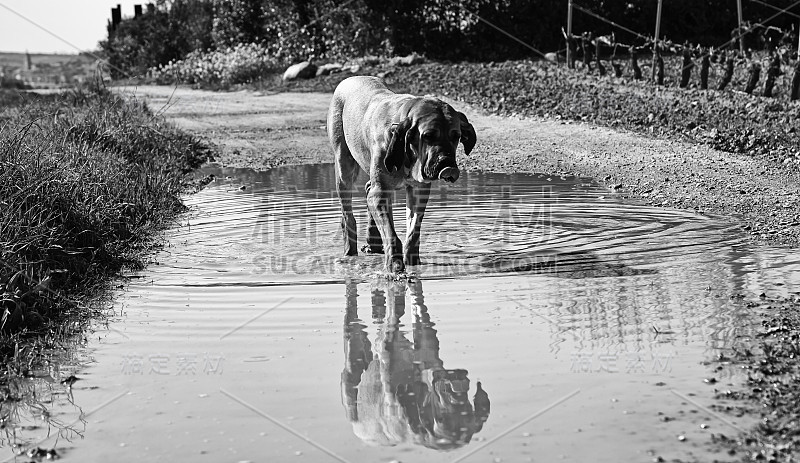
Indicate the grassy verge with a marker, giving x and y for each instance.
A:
(771, 389)
(86, 180)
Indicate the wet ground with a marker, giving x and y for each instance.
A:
(550, 321)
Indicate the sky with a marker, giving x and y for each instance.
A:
(82, 23)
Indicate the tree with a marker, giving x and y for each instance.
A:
(237, 21)
(168, 33)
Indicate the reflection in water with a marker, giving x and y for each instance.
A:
(397, 390)
(566, 264)
(38, 411)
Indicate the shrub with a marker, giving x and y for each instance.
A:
(235, 65)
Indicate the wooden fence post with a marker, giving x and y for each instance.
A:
(570, 62)
(586, 42)
(796, 81)
(687, 66)
(637, 71)
(728, 74)
(753, 74)
(773, 71)
(116, 16)
(741, 32)
(655, 41)
(600, 68)
(705, 64)
(614, 65)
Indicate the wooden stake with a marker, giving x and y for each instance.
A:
(569, 34)
(741, 32)
(655, 41)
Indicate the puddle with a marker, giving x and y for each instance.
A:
(588, 322)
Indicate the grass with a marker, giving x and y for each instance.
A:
(87, 179)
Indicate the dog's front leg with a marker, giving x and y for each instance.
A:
(374, 242)
(379, 201)
(416, 202)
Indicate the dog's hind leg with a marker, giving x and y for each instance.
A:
(346, 169)
(346, 172)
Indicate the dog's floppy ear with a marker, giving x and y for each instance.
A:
(396, 152)
(468, 137)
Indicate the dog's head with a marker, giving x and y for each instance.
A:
(425, 141)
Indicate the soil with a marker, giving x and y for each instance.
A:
(266, 129)
(771, 391)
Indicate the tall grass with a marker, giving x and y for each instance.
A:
(86, 178)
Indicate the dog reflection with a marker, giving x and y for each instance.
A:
(397, 390)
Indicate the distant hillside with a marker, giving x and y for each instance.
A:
(45, 70)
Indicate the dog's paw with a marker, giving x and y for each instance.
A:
(396, 266)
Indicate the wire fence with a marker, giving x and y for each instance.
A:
(744, 69)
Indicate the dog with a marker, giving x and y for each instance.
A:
(398, 140)
(395, 387)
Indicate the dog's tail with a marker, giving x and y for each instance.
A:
(335, 124)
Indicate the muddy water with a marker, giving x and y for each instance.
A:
(550, 321)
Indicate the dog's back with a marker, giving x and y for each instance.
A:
(360, 110)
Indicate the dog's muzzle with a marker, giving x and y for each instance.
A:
(449, 174)
(445, 168)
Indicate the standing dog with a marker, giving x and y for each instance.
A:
(399, 140)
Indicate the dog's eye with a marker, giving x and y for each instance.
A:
(429, 136)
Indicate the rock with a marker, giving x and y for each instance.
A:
(409, 60)
(304, 70)
(329, 68)
(369, 60)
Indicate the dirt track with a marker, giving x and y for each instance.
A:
(260, 130)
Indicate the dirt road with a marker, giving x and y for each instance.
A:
(260, 130)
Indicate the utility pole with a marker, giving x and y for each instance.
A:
(569, 34)
(741, 32)
(658, 32)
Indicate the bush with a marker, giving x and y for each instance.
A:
(230, 66)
